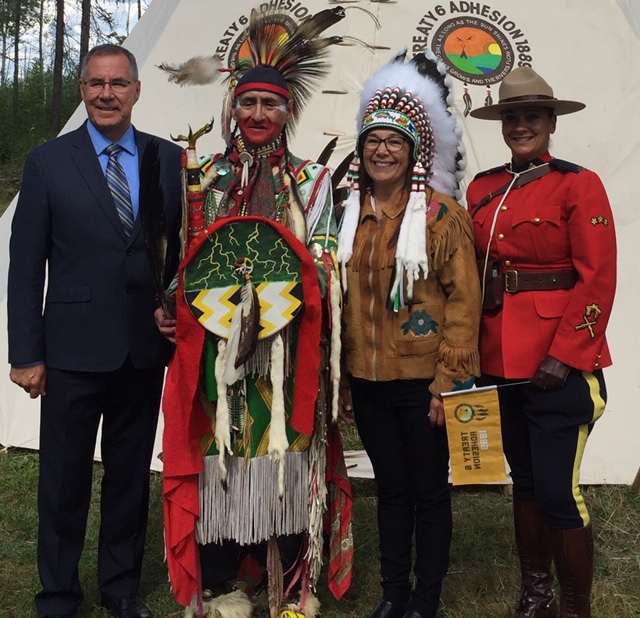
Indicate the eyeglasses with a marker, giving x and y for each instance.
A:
(392, 144)
(117, 85)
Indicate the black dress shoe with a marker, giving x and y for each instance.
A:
(385, 609)
(131, 606)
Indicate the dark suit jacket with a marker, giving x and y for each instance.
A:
(100, 296)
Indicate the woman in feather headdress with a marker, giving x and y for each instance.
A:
(251, 395)
(411, 317)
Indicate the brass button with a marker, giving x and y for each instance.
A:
(500, 236)
(507, 263)
(536, 220)
(504, 208)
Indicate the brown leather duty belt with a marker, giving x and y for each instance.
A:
(527, 280)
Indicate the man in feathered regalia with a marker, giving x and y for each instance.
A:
(251, 454)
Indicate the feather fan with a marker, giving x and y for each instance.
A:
(152, 217)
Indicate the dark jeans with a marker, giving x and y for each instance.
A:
(544, 434)
(410, 462)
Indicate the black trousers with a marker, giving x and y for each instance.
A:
(127, 400)
(410, 462)
(544, 435)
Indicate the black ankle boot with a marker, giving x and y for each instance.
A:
(385, 609)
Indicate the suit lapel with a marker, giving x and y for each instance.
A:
(141, 143)
(86, 160)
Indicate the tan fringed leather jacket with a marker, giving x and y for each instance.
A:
(437, 337)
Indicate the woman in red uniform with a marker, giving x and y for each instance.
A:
(546, 246)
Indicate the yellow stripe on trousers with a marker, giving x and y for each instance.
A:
(583, 434)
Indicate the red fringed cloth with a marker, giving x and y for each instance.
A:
(185, 421)
(337, 518)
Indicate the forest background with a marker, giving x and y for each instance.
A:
(42, 44)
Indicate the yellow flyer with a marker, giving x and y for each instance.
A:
(475, 438)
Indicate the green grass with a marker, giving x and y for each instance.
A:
(482, 580)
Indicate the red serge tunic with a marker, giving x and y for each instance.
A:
(560, 221)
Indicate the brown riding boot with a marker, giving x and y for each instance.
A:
(533, 539)
(573, 556)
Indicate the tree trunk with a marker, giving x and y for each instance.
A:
(56, 103)
(4, 34)
(41, 34)
(85, 31)
(3, 66)
(16, 60)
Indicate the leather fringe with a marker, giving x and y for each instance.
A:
(444, 239)
(246, 505)
(465, 360)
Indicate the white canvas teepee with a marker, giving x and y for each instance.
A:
(589, 51)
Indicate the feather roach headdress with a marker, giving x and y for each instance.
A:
(299, 57)
(413, 98)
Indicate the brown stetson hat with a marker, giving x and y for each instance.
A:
(523, 87)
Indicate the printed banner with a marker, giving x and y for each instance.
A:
(475, 438)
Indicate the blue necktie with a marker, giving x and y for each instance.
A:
(117, 181)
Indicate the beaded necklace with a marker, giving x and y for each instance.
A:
(247, 158)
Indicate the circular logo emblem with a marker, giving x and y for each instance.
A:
(473, 50)
(464, 413)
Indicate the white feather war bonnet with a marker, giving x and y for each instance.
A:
(413, 98)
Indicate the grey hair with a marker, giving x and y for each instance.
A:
(110, 49)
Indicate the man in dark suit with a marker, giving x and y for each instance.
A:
(95, 351)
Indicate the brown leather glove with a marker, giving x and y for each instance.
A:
(551, 374)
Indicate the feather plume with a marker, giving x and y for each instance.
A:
(249, 324)
(197, 71)
(321, 21)
(341, 170)
(401, 56)
(231, 372)
(325, 155)
(245, 325)
(152, 217)
(226, 115)
(428, 67)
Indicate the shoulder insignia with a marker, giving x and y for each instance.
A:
(493, 170)
(566, 166)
